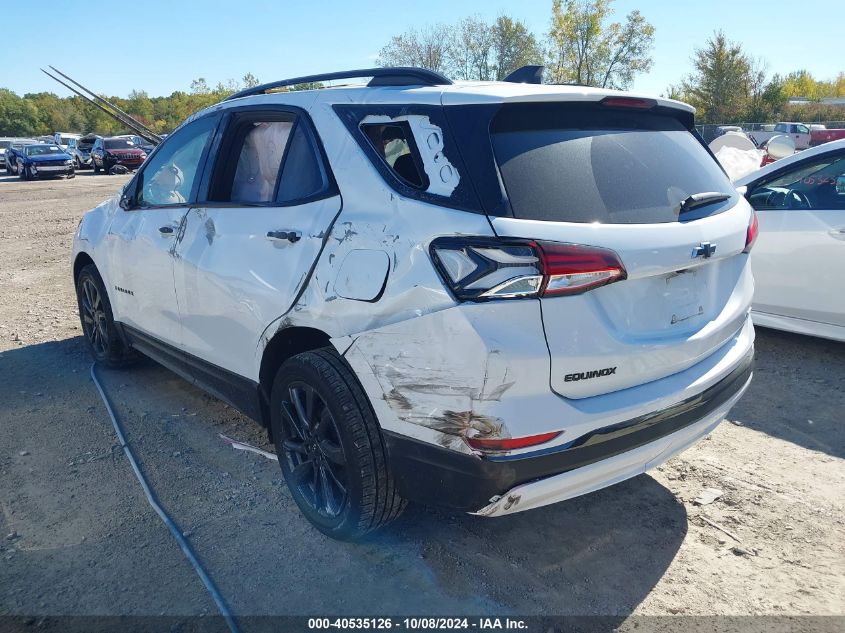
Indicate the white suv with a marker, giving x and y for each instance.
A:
(485, 296)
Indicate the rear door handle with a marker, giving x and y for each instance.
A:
(838, 234)
(280, 236)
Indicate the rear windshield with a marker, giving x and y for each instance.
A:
(576, 164)
(119, 143)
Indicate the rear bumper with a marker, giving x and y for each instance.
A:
(493, 486)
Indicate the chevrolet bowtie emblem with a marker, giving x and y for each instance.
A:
(705, 250)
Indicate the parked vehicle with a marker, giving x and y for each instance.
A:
(724, 129)
(800, 255)
(820, 134)
(44, 160)
(140, 142)
(13, 153)
(115, 150)
(345, 267)
(63, 139)
(80, 150)
(798, 132)
(5, 142)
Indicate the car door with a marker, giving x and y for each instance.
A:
(95, 152)
(800, 253)
(801, 135)
(247, 250)
(142, 237)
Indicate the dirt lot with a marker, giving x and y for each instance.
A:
(82, 540)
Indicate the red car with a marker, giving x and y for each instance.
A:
(116, 150)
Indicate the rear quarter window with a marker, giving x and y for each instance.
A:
(596, 165)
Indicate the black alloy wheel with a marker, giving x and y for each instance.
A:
(330, 446)
(315, 458)
(95, 313)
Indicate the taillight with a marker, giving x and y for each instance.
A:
(751, 234)
(572, 268)
(510, 443)
(478, 269)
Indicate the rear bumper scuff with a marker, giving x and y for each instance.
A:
(433, 475)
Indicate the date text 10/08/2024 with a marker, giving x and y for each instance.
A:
(417, 623)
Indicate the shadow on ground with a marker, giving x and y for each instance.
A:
(599, 554)
(782, 361)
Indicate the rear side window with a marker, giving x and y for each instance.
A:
(600, 165)
(303, 175)
(394, 143)
(262, 149)
(268, 159)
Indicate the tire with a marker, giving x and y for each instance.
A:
(98, 327)
(77, 164)
(24, 173)
(336, 465)
(94, 165)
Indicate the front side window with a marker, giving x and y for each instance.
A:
(168, 178)
(817, 184)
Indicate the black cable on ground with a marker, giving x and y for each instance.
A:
(153, 501)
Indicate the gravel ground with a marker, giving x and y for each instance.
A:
(82, 540)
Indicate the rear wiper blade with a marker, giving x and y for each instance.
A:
(700, 199)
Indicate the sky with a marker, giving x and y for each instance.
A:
(161, 46)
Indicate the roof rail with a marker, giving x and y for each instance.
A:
(395, 76)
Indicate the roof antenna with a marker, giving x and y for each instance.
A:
(526, 75)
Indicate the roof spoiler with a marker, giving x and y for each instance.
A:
(106, 106)
(526, 75)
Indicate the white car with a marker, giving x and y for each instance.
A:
(800, 255)
(487, 296)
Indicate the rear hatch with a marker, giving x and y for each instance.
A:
(616, 177)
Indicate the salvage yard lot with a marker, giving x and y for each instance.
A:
(82, 540)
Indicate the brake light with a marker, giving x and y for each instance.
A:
(571, 268)
(478, 269)
(510, 443)
(751, 234)
(629, 102)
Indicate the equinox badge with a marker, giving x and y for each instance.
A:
(705, 250)
(586, 375)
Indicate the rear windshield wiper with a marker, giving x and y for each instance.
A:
(701, 199)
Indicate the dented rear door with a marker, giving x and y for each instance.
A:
(243, 259)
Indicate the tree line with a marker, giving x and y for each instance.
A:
(583, 45)
(729, 85)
